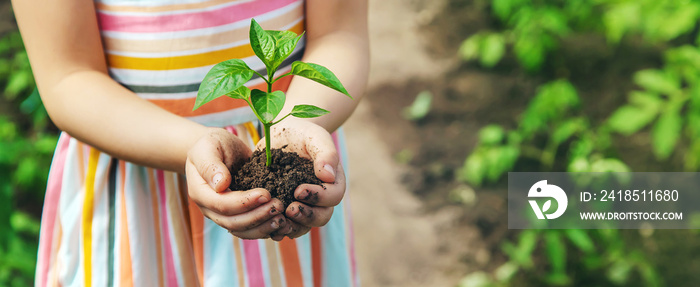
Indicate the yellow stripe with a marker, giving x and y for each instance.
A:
(88, 208)
(253, 133)
(188, 61)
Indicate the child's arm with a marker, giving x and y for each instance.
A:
(337, 38)
(66, 54)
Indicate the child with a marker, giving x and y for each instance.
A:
(138, 190)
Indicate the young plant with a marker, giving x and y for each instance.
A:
(272, 47)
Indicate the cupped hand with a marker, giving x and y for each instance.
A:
(248, 214)
(315, 202)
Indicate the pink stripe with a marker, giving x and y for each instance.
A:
(253, 263)
(189, 21)
(48, 220)
(169, 263)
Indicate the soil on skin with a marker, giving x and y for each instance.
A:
(287, 171)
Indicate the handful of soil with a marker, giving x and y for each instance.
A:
(287, 171)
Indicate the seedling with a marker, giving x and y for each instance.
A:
(272, 47)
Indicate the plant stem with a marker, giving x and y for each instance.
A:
(268, 153)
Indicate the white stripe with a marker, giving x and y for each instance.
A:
(226, 118)
(203, 31)
(197, 51)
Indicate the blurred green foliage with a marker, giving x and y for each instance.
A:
(553, 129)
(27, 142)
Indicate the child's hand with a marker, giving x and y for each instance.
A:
(249, 214)
(315, 205)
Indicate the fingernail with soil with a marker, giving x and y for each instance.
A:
(303, 195)
(330, 169)
(273, 210)
(262, 199)
(217, 178)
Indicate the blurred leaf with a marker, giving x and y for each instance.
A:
(469, 50)
(22, 222)
(567, 129)
(579, 164)
(657, 81)
(609, 165)
(491, 135)
(19, 82)
(506, 271)
(580, 239)
(666, 132)
(530, 52)
(619, 272)
(619, 19)
(476, 279)
(420, 106)
(628, 120)
(492, 49)
(474, 169)
(522, 252)
(556, 251)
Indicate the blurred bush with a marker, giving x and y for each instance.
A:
(554, 128)
(27, 142)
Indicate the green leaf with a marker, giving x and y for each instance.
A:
(263, 43)
(319, 74)
(242, 93)
(491, 134)
(627, 120)
(581, 239)
(556, 251)
(493, 47)
(307, 111)
(420, 107)
(267, 105)
(285, 43)
(474, 169)
(657, 81)
(223, 79)
(609, 165)
(567, 129)
(469, 49)
(666, 132)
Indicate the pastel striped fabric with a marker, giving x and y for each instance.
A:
(162, 49)
(108, 222)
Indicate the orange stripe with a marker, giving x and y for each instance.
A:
(292, 265)
(316, 261)
(198, 41)
(183, 107)
(156, 215)
(239, 260)
(273, 263)
(164, 8)
(186, 62)
(125, 272)
(88, 210)
(197, 220)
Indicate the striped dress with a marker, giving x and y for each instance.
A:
(107, 222)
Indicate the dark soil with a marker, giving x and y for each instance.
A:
(287, 171)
